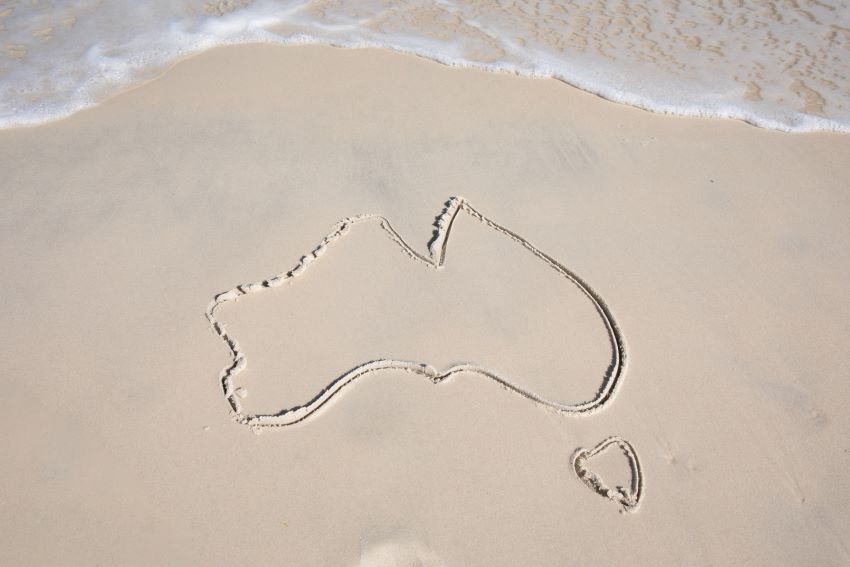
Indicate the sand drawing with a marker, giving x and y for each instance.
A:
(434, 259)
(629, 498)
(436, 252)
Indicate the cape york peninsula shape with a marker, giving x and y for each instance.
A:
(433, 260)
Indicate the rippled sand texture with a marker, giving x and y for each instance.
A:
(768, 62)
(776, 64)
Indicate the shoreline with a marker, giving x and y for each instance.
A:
(635, 101)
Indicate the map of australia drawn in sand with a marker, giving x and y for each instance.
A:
(427, 321)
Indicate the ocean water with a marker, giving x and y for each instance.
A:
(780, 64)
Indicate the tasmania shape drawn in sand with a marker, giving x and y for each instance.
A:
(434, 260)
(629, 498)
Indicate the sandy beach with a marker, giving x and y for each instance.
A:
(720, 249)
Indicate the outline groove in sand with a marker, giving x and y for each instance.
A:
(434, 259)
(628, 499)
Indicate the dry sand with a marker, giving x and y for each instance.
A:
(721, 249)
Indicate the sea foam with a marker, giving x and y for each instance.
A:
(777, 64)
